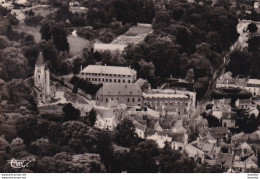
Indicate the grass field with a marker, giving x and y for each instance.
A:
(76, 43)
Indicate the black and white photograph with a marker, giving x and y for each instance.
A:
(130, 86)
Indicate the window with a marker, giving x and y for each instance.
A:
(110, 80)
(114, 80)
(139, 99)
(129, 81)
(119, 81)
(123, 81)
(133, 100)
(106, 80)
(128, 100)
(106, 99)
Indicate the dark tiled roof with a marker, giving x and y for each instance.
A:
(225, 159)
(229, 115)
(219, 130)
(149, 131)
(120, 89)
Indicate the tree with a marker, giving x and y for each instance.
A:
(59, 36)
(4, 42)
(75, 89)
(105, 149)
(239, 63)
(168, 158)
(213, 121)
(252, 27)
(43, 147)
(143, 158)
(71, 112)
(79, 136)
(33, 20)
(92, 117)
(16, 147)
(146, 70)
(45, 31)
(125, 134)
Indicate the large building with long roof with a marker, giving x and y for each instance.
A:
(108, 74)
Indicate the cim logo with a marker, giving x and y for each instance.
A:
(19, 163)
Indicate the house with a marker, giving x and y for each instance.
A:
(239, 166)
(177, 140)
(169, 103)
(253, 85)
(106, 119)
(225, 160)
(108, 74)
(220, 106)
(83, 108)
(159, 138)
(219, 133)
(194, 153)
(244, 150)
(251, 162)
(178, 127)
(129, 94)
(210, 139)
(191, 95)
(74, 3)
(239, 138)
(208, 149)
(114, 48)
(229, 119)
(140, 129)
(243, 103)
(157, 126)
(254, 111)
(144, 84)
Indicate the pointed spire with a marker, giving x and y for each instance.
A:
(40, 60)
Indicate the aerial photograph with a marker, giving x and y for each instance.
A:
(129, 86)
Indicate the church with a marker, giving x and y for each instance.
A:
(43, 91)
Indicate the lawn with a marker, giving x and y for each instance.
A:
(139, 30)
(76, 43)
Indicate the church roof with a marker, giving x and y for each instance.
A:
(40, 59)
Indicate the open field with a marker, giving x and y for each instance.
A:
(76, 43)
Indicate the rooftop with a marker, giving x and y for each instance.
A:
(40, 60)
(109, 70)
(120, 89)
(111, 47)
(225, 159)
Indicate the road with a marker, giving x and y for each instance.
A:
(240, 43)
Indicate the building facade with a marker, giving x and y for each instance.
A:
(111, 94)
(108, 74)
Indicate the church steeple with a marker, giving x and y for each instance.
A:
(42, 78)
(40, 60)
